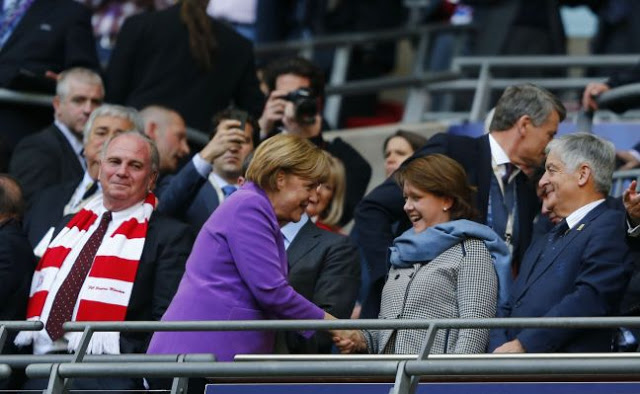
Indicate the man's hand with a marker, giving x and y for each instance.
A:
(631, 200)
(630, 161)
(510, 347)
(304, 130)
(349, 341)
(228, 136)
(273, 112)
(592, 90)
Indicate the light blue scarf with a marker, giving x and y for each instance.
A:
(422, 247)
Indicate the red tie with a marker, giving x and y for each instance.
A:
(67, 296)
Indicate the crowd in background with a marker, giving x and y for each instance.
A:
(109, 214)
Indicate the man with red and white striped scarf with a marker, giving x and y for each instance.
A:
(114, 260)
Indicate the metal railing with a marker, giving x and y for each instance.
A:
(407, 373)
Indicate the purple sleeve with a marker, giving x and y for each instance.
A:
(253, 241)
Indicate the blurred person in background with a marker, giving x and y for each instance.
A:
(398, 147)
(183, 59)
(445, 267)
(327, 211)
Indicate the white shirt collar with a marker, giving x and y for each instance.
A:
(291, 229)
(576, 216)
(497, 153)
(218, 180)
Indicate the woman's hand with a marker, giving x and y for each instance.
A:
(349, 341)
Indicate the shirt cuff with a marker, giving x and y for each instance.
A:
(635, 154)
(201, 165)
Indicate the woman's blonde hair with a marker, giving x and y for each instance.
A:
(290, 154)
(337, 179)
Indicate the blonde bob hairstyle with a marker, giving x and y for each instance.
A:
(290, 154)
(337, 179)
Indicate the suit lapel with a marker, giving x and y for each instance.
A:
(484, 173)
(68, 151)
(210, 197)
(305, 241)
(541, 266)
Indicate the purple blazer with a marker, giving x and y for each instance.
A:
(237, 270)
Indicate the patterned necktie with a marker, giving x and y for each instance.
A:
(558, 231)
(507, 174)
(67, 295)
(228, 190)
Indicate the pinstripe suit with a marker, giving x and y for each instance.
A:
(460, 283)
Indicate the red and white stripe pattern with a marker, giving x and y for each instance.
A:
(106, 291)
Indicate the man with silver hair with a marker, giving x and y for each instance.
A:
(69, 197)
(582, 267)
(117, 259)
(54, 155)
(525, 119)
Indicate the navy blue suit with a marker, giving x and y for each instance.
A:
(187, 196)
(583, 273)
(381, 211)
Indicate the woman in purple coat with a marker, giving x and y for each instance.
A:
(237, 269)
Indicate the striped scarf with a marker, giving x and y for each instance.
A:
(106, 291)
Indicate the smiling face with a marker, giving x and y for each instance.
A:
(125, 172)
(229, 165)
(560, 186)
(397, 150)
(425, 209)
(292, 197)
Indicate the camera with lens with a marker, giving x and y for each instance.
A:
(306, 105)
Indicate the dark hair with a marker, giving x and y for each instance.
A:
(230, 113)
(202, 41)
(11, 201)
(443, 177)
(415, 140)
(297, 66)
(525, 99)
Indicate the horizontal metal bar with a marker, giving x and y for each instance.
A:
(502, 83)
(222, 369)
(404, 357)
(12, 96)
(22, 325)
(546, 61)
(250, 325)
(524, 366)
(22, 360)
(377, 84)
(358, 38)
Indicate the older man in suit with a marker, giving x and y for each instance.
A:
(55, 155)
(526, 119)
(116, 259)
(582, 268)
(325, 268)
(69, 197)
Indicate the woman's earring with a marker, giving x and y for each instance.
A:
(445, 209)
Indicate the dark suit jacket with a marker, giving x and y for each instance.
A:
(152, 64)
(381, 211)
(44, 159)
(584, 273)
(16, 269)
(166, 248)
(52, 35)
(324, 267)
(47, 210)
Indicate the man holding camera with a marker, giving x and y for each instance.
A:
(295, 96)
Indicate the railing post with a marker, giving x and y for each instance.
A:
(418, 96)
(180, 385)
(483, 92)
(424, 354)
(402, 384)
(3, 336)
(56, 385)
(80, 353)
(341, 59)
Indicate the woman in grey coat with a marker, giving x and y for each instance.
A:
(446, 266)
